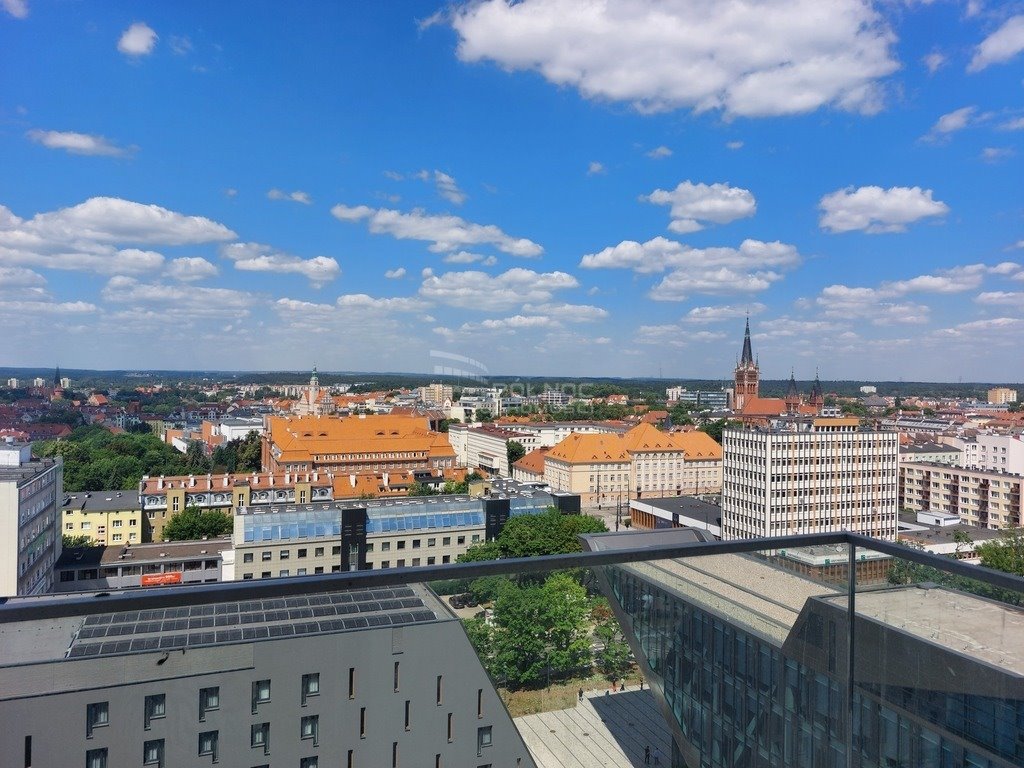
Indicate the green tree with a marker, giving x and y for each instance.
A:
(515, 451)
(613, 658)
(1005, 553)
(484, 415)
(196, 460)
(239, 455)
(70, 542)
(715, 428)
(419, 489)
(192, 523)
(547, 533)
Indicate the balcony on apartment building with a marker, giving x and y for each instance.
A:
(818, 651)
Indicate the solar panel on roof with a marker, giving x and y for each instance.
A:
(229, 636)
(341, 597)
(147, 627)
(423, 616)
(145, 643)
(401, 618)
(151, 615)
(251, 618)
(94, 631)
(350, 608)
(273, 605)
(226, 620)
(355, 622)
(368, 606)
(173, 641)
(411, 602)
(324, 610)
(281, 630)
(76, 651)
(227, 608)
(296, 602)
(200, 622)
(202, 638)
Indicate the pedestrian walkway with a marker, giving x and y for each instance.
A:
(600, 731)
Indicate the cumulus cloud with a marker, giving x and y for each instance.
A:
(298, 196)
(98, 236)
(76, 143)
(465, 257)
(256, 257)
(1001, 298)
(395, 274)
(951, 122)
(996, 154)
(1001, 46)
(448, 188)
(933, 62)
(190, 268)
(16, 8)
(395, 304)
(19, 277)
(570, 313)
(595, 168)
(479, 290)
(875, 210)
(138, 40)
(747, 57)
(694, 205)
(659, 152)
(673, 335)
(721, 313)
(508, 324)
(734, 145)
(1015, 124)
(443, 232)
(185, 299)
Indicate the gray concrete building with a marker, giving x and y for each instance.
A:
(162, 563)
(379, 677)
(31, 491)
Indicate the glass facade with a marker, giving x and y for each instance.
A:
(743, 694)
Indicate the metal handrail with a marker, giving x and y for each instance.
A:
(79, 604)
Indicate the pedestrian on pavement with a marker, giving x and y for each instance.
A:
(581, 695)
(641, 683)
(647, 755)
(622, 687)
(657, 756)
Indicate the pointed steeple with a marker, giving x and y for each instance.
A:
(56, 377)
(817, 397)
(792, 392)
(747, 358)
(313, 380)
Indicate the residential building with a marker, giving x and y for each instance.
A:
(12, 383)
(554, 398)
(373, 677)
(353, 444)
(1002, 395)
(484, 447)
(809, 476)
(938, 453)
(160, 564)
(31, 490)
(1001, 453)
(362, 534)
(105, 517)
(868, 389)
(548, 434)
(604, 467)
(436, 394)
(981, 497)
(944, 534)
(703, 399)
(755, 664)
(530, 468)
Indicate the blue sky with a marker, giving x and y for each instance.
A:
(552, 188)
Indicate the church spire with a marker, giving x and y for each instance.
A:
(747, 358)
(792, 392)
(313, 380)
(56, 377)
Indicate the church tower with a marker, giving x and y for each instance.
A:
(792, 395)
(747, 375)
(817, 396)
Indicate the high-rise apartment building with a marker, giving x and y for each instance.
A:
(31, 492)
(809, 476)
(984, 497)
(1002, 395)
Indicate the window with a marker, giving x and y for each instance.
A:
(385, 546)
(447, 541)
(461, 540)
(96, 758)
(153, 753)
(396, 677)
(362, 722)
(259, 736)
(483, 739)
(430, 560)
(479, 702)
(351, 682)
(247, 557)
(318, 552)
(310, 728)
(96, 716)
(385, 563)
(401, 544)
(309, 762)
(318, 569)
(260, 693)
(415, 562)
(408, 713)
(336, 550)
(440, 689)
(283, 572)
(301, 553)
(208, 744)
(446, 558)
(416, 543)
(310, 686)
(431, 542)
(401, 563)
(394, 754)
(265, 556)
(284, 554)
(209, 700)
(116, 524)
(156, 708)
(451, 727)
(265, 575)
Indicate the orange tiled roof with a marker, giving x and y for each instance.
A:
(643, 438)
(764, 406)
(590, 449)
(533, 461)
(299, 439)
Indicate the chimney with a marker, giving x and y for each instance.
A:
(160, 483)
(191, 481)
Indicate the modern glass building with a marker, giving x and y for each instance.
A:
(751, 665)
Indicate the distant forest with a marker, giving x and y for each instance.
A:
(641, 388)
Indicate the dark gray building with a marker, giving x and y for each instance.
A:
(379, 677)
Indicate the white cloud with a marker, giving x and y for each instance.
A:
(190, 299)
(660, 254)
(76, 143)
(231, 192)
(570, 313)
(507, 324)
(256, 257)
(465, 257)
(49, 307)
(674, 335)
(745, 57)
(396, 304)
(481, 291)
(595, 168)
(995, 154)
(19, 277)
(180, 45)
(90, 236)
(138, 40)
(659, 152)
(1001, 298)
(16, 8)
(191, 268)
(973, 330)
(395, 274)
(934, 61)
(718, 314)
(951, 122)
(443, 232)
(693, 205)
(875, 210)
(298, 196)
(448, 189)
(734, 145)
(1001, 46)
(1015, 124)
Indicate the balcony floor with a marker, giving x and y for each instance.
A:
(602, 731)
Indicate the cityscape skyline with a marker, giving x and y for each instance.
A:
(545, 189)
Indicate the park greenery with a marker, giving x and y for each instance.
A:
(97, 460)
(543, 629)
(239, 455)
(192, 523)
(449, 487)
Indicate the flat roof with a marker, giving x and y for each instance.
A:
(83, 557)
(26, 471)
(216, 624)
(694, 507)
(102, 501)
